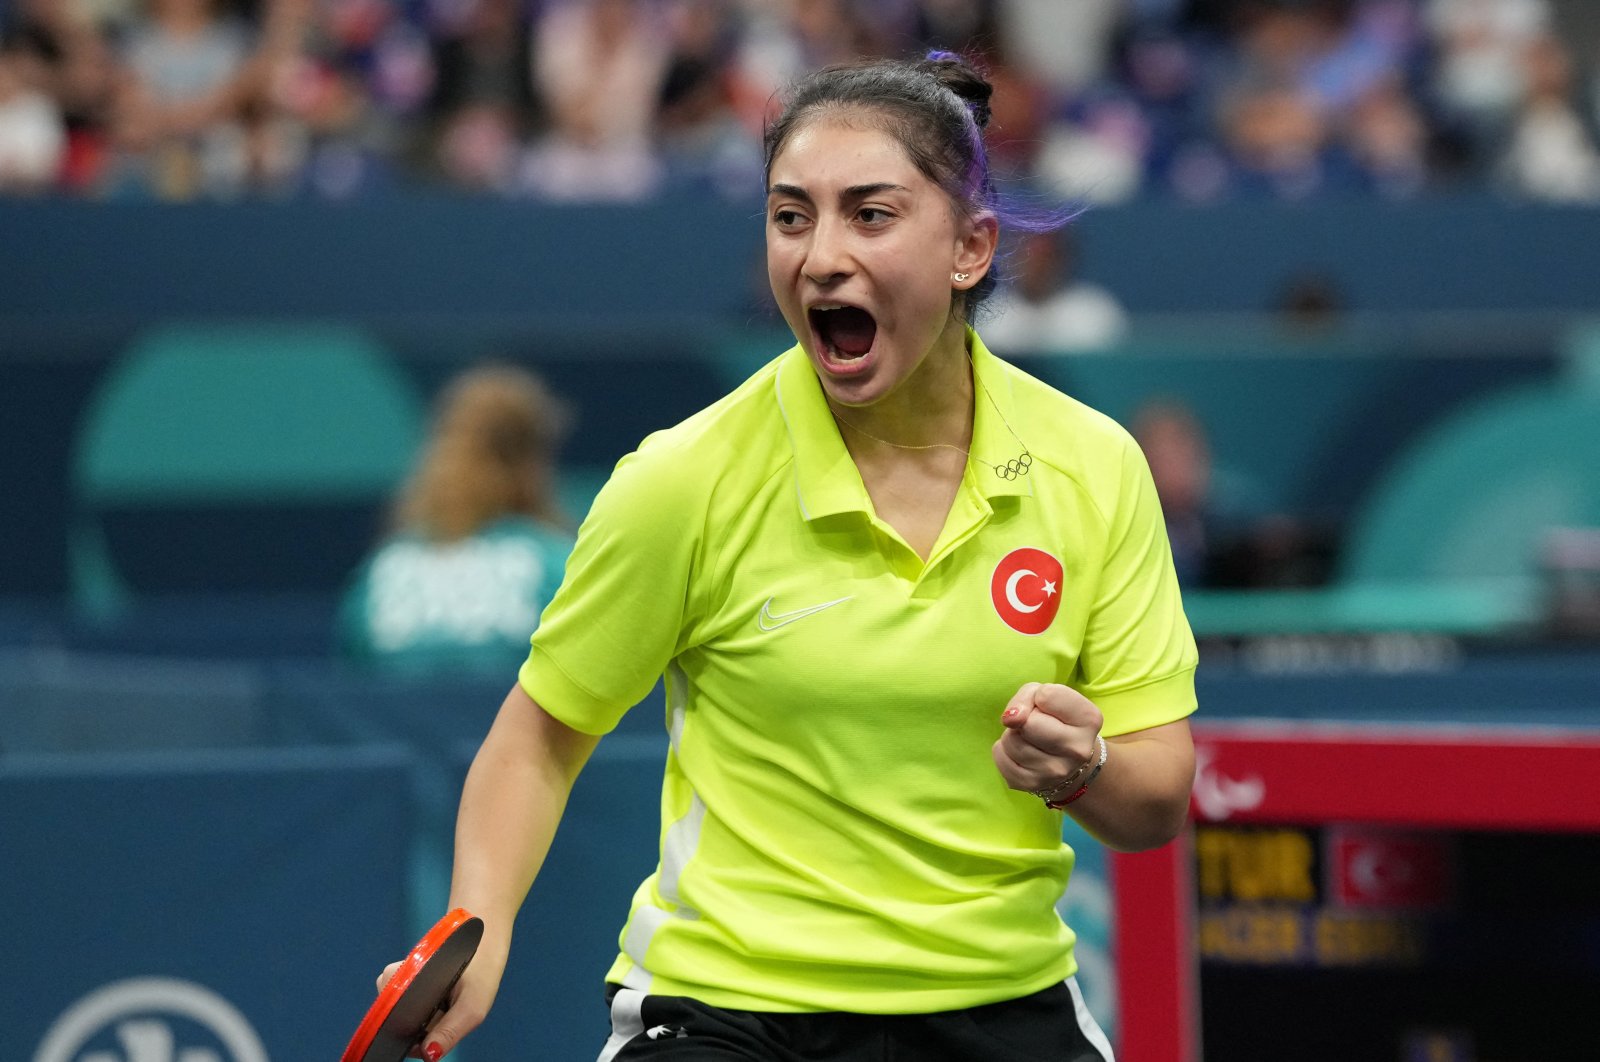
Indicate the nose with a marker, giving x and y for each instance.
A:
(827, 253)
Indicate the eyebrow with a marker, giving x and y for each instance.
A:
(855, 191)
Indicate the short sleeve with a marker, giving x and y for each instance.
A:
(617, 618)
(1138, 658)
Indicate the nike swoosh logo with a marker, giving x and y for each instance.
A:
(769, 620)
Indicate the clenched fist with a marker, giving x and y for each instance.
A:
(1050, 732)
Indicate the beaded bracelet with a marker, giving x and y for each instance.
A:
(1056, 804)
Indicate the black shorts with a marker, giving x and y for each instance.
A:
(1048, 1026)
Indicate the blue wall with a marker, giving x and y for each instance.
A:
(438, 263)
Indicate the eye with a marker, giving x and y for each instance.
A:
(873, 215)
(787, 218)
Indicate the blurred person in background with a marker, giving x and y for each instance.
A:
(1046, 307)
(1550, 155)
(1277, 143)
(783, 40)
(1307, 99)
(600, 65)
(1386, 135)
(1174, 443)
(186, 77)
(837, 31)
(1223, 534)
(1066, 45)
(346, 146)
(483, 107)
(1089, 141)
(703, 144)
(479, 544)
(1023, 111)
(33, 135)
(61, 52)
(1479, 73)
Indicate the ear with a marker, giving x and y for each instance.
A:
(976, 242)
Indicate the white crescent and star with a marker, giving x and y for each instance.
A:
(1016, 602)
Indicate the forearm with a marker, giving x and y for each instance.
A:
(1140, 798)
(515, 793)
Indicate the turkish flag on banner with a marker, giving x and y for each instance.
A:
(1371, 867)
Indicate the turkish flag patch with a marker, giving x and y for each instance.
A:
(1026, 589)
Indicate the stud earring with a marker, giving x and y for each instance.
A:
(961, 278)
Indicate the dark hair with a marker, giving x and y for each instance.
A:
(936, 109)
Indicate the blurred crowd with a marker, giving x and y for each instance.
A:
(1103, 100)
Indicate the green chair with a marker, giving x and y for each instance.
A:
(1467, 508)
(1449, 542)
(236, 457)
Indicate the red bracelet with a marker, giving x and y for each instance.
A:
(1058, 804)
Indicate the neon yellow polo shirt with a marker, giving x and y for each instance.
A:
(835, 834)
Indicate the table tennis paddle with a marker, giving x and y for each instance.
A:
(418, 990)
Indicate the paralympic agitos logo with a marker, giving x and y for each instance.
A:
(151, 1019)
(1026, 589)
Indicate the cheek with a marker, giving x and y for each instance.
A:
(927, 293)
(780, 269)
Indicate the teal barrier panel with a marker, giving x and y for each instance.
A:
(224, 906)
(1299, 433)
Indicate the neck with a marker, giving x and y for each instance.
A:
(931, 408)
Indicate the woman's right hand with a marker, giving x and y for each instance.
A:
(469, 1003)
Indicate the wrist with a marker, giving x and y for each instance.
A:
(1077, 783)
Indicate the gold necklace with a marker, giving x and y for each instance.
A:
(1017, 466)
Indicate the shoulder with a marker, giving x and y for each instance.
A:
(1062, 429)
(738, 438)
(1072, 439)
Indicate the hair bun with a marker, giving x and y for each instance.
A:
(959, 76)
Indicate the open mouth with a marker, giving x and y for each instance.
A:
(845, 332)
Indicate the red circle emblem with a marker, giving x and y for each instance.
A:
(1026, 589)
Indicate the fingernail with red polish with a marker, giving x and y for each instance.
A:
(1010, 713)
(432, 1053)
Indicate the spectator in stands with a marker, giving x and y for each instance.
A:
(63, 56)
(187, 77)
(484, 107)
(1223, 534)
(1479, 77)
(479, 543)
(348, 147)
(702, 142)
(1175, 445)
(1047, 307)
(1551, 153)
(1019, 133)
(1067, 46)
(1386, 136)
(1278, 144)
(600, 66)
(606, 99)
(33, 136)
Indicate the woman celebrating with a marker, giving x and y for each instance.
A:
(910, 605)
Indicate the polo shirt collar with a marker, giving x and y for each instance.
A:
(828, 481)
(994, 414)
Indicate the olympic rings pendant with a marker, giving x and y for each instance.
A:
(1013, 469)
